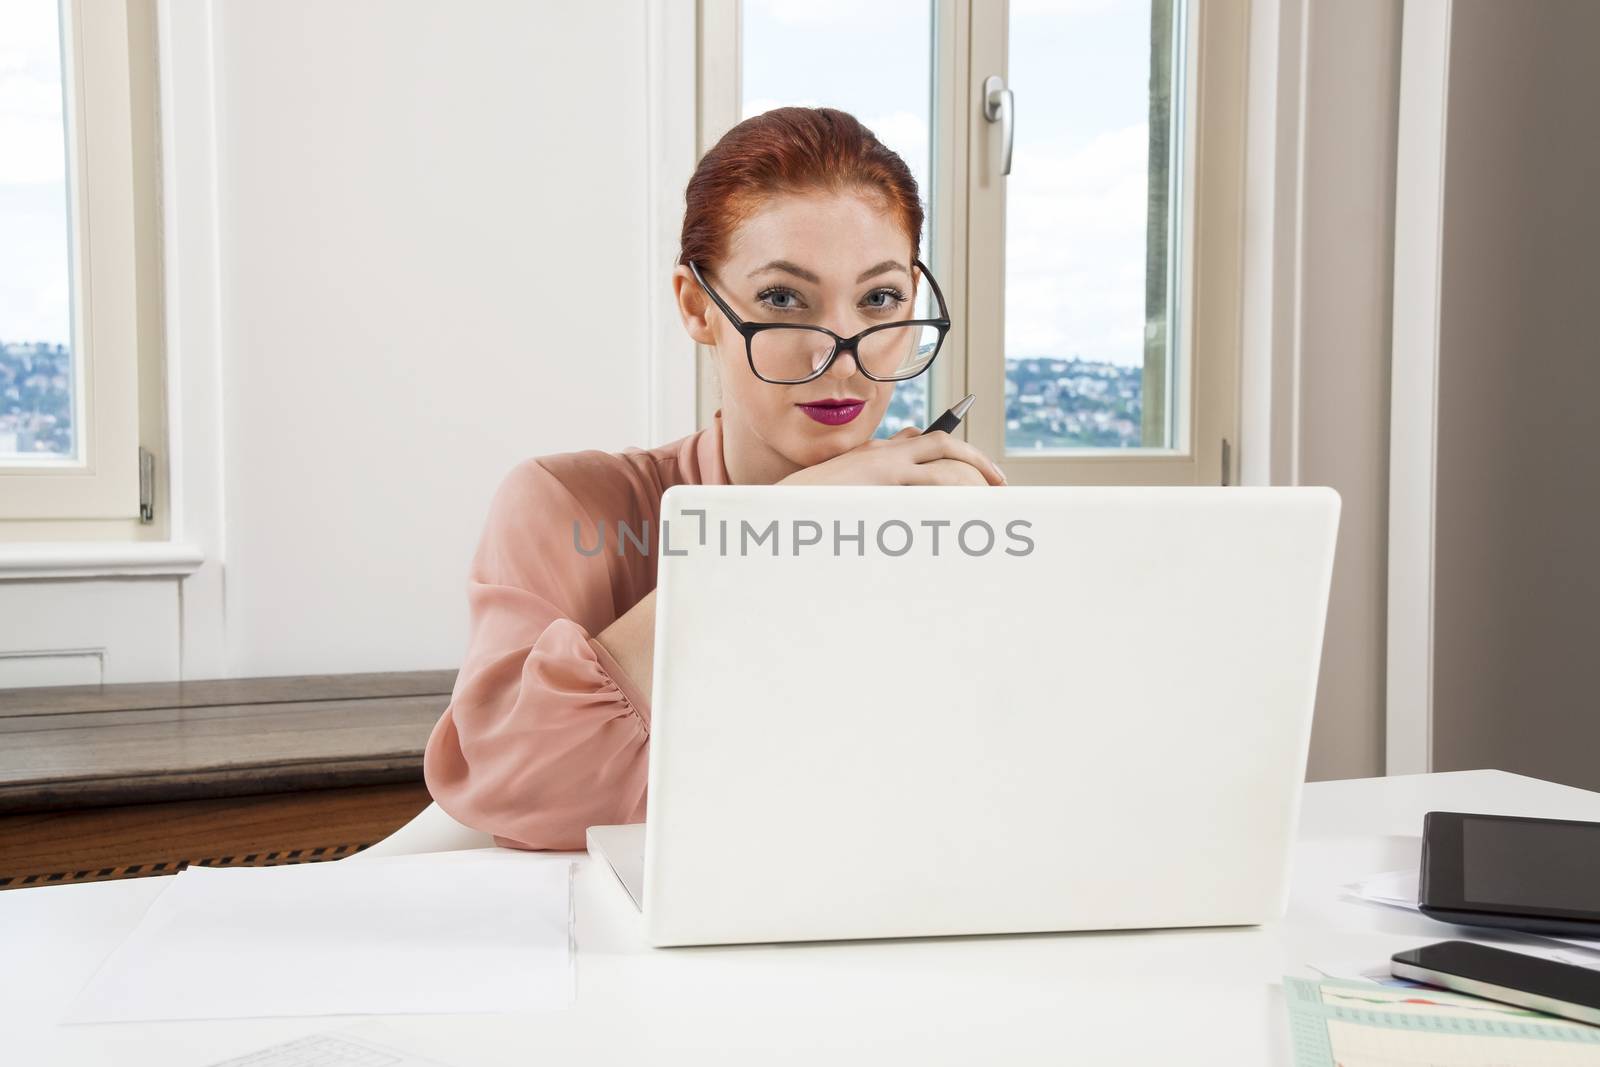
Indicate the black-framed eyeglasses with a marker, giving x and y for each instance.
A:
(787, 353)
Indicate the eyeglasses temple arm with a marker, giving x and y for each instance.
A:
(944, 309)
(712, 293)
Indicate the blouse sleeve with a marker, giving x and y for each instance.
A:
(545, 735)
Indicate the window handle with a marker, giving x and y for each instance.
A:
(999, 106)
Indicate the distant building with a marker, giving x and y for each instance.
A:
(1053, 403)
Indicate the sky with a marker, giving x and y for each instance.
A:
(1076, 196)
(34, 300)
(1075, 212)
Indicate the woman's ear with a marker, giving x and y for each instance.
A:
(694, 307)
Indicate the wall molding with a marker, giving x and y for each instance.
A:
(191, 268)
(1413, 431)
(98, 559)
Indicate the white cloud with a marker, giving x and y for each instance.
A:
(33, 228)
(33, 271)
(1075, 248)
(34, 152)
(1034, 8)
(758, 105)
(828, 13)
(31, 141)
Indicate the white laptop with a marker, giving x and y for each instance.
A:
(994, 710)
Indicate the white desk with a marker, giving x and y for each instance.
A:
(1194, 996)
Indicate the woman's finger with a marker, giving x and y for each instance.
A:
(945, 472)
(930, 447)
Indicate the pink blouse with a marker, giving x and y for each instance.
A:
(545, 735)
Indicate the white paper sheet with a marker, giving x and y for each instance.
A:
(332, 1049)
(1398, 889)
(480, 931)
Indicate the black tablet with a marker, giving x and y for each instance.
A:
(1541, 875)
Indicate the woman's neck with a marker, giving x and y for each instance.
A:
(749, 459)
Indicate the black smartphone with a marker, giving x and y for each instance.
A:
(1562, 989)
(1541, 875)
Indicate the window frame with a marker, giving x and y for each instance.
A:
(968, 225)
(109, 74)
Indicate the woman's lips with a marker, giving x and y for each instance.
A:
(833, 412)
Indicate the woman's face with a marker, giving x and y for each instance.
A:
(821, 259)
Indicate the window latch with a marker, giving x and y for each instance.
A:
(999, 105)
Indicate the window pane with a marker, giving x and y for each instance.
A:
(817, 54)
(36, 350)
(1088, 297)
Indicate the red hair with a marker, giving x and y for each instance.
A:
(790, 150)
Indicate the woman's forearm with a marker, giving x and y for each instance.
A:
(631, 640)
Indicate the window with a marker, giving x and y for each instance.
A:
(79, 306)
(1095, 289)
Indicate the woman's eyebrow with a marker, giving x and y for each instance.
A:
(785, 265)
(882, 268)
(800, 272)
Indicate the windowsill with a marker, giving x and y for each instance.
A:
(98, 559)
(151, 742)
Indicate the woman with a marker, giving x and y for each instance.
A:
(798, 215)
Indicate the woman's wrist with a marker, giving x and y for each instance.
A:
(799, 477)
(630, 641)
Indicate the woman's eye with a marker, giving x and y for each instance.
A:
(885, 299)
(775, 299)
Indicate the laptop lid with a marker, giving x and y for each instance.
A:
(885, 711)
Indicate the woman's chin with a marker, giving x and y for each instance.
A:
(808, 442)
(812, 452)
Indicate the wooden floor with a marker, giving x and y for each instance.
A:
(125, 781)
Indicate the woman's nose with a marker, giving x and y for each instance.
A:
(844, 364)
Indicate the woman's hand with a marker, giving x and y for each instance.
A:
(910, 457)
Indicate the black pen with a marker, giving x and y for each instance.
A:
(952, 418)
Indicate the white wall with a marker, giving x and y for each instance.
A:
(432, 223)
(88, 631)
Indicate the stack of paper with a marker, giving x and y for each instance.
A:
(1349, 1023)
(486, 930)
